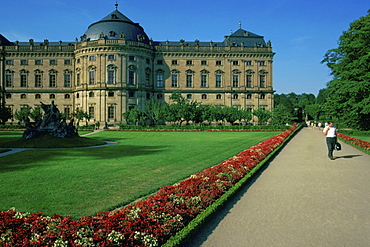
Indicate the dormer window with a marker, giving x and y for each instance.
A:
(112, 33)
(114, 16)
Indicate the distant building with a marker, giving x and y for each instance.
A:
(115, 67)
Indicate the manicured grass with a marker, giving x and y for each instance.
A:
(364, 138)
(83, 181)
(13, 139)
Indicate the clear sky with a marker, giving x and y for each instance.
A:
(301, 31)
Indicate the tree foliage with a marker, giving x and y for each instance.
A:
(349, 91)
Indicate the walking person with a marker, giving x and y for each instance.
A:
(330, 131)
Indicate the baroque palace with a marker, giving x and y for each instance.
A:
(115, 67)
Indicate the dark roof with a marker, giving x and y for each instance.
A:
(249, 39)
(4, 41)
(238, 38)
(113, 26)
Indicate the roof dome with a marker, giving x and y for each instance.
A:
(115, 26)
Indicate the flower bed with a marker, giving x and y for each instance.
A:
(150, 222)
(153, 129)
(356, 142)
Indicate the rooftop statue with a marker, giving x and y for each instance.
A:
(52, 123)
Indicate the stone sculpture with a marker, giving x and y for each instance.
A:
(52, 123)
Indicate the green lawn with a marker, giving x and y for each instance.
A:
(364, 138)
(83, 181)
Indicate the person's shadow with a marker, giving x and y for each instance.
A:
(348, 156)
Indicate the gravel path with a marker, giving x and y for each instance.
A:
(301, 199)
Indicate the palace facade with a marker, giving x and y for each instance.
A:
(115, 67)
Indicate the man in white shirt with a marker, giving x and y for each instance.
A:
(331, 138)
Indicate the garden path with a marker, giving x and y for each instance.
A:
(301, 198)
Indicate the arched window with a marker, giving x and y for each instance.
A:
(249, 96)
(189, 96)
(218, 96)
(67, 96)
(52, 96)
(23, 96)
(204, 96)
(235, 96)
(38, 96)
(262, 96)
(91, 94)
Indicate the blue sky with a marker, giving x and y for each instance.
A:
(301, 31)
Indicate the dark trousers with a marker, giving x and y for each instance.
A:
(330, 142)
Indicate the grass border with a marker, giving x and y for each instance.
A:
(355, 146)
(184, 234)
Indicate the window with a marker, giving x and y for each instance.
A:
(160, 80)
(67, 96)
(159, 96)
(148, 61)
(174, 62)
(53, 62)
(111, 57)
(235, 96)
(248, 63)
(235, 62)
(8, 80)
(248, 82)
(218, 81)
(174, 80)
(131, 94)
(147, 77)
(92, 58)
(52, 80)
(262, 80)
(8, 96)
(52, 96)
(9, 62)
(262, 63)
(189, 62)
(67, 62)
(110, 94)
(110, 112)
(249, 96)
(91, 111)
(78, 60)
(38, 62)
(24, 62)
(204, 96)
(111, 75)
(189, 80)
(189, 96)
(235, 80)
(131, 78)
(91, 94)
(78, 79)
(218, 63)
(77, 95)
(67, 112)
(38, 96)
(23, 96)
(218, 96)
(38, 79)
(203, 62)
(262, 96)
(159, 62)
(23, 80)
(67, 80)
(91, 77)
(203, 81)
(131, 58)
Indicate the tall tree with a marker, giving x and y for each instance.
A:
(349, 91)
